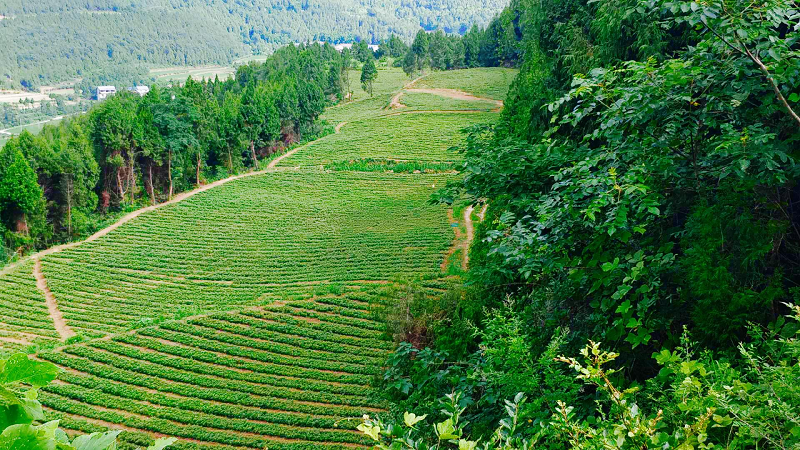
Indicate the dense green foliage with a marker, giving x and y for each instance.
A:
(129, 149)
(115, 42)
(708, 404)
(641, 182)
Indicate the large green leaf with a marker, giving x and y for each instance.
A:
(161, 443)
(29, 437)
(19, 369)
(97, 441)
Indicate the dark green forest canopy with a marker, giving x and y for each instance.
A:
(51, 41)
(642, 196)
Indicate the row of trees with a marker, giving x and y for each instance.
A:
(12, 115)
(490, 47)
(130, 149)
(642, 190)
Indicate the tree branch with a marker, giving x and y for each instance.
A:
(771, 80)
(764, 70)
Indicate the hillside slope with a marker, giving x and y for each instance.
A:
(246, 315)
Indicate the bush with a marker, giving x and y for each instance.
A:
(696, 401)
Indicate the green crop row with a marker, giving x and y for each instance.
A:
(256, 372)
(323, 305)
(197, 379)
(324, 324)
(251, 349)
(204, 406)
(56, 394)
(212, 325)
(304, 332)
(171, 428)
(304, 308)
(221, 394)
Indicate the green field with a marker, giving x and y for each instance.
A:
(412, 136)
(245, 316)
(489, 82)
(33, 128)
(205, 254)
(180, 74)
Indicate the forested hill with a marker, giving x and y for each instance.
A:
(52, 40)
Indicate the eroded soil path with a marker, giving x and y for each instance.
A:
(52, 305)
(470, 234)
(395, 103)
(455, 94)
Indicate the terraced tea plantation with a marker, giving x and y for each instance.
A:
(289, 375)
(247, 315)
(255, 236)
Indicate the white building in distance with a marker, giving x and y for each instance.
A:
(141, 90)
(105, 91)
(340, 47)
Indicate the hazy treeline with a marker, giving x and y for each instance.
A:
(105, 41)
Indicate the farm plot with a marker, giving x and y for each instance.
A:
(291, 375)
(429, 102)
(490, 82)
(228, 246)
(408, 136)
(180, 74)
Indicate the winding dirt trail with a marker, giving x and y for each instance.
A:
(395, 103)
(52, 306)
(482, 214)
(414, 81)
(441, 92)
(455, 94)
(458, 243)
(470, 234)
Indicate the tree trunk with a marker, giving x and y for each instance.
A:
(198, 168)
(152, 189)
(69, 205)
(169, 171)
(131, 176)
(230, 162)
(253, 150)
(119, 186)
